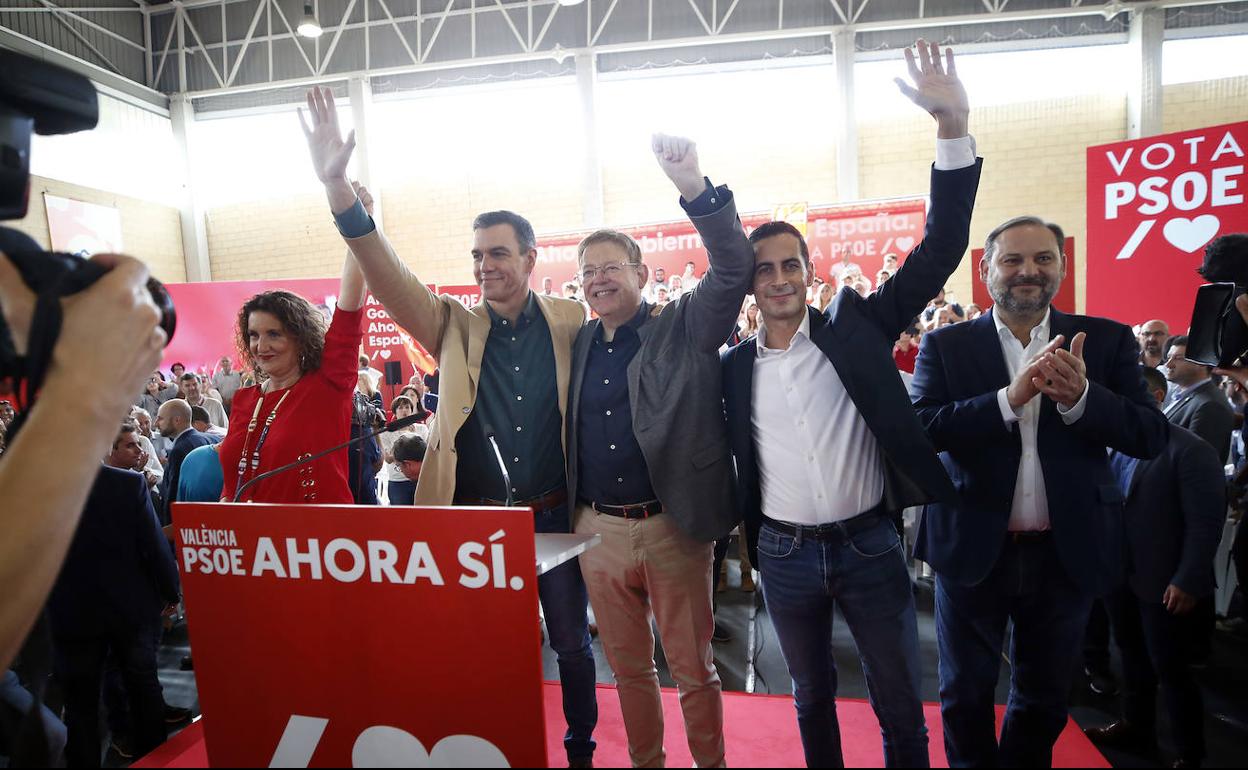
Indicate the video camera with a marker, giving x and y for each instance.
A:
(41, 98)
(1218, 335)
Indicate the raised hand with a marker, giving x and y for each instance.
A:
(329, 151)
(936, 88)
(1063, 373)
(678, 157)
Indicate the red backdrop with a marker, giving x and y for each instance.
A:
(1153, 205)
(861, 233)
(379, 645)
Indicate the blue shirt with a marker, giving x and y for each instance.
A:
(200, 480)
(612, 470)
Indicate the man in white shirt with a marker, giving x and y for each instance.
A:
(828, 450)
(226, 381)
(1024, 426)
(374, 376)
(195, 397)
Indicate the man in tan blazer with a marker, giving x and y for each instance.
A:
(505, 366)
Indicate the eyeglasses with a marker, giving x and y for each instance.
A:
(609, 270)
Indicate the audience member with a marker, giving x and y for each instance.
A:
(117, 578)
(401, 488)
(191, 386)
(201, 478)
(1175, 505)
(1153, 337)
(155, 393)
(1024, 426)
(973, 311)
(173, 420)
(201, 422)
(890, 263)
(161, 445)
(226, 381)
(1198, 404)
(408, 452)
(823, 297)
(749, 322)
(374, 376)
(906, 351)
(932, 318)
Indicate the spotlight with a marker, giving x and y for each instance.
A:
(308, 25)
(567, 3)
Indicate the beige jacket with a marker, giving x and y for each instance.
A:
(455, 336)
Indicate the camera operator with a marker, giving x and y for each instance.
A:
(110, 326)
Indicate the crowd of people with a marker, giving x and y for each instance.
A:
(1066, 465)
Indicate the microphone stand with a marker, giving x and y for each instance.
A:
(502, 466)
(390, 426)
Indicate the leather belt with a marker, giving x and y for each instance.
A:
(834, 531)
(1031, 536)
(540, 503)
(637, 511)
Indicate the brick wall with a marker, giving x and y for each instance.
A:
(149, 231)
(1034, 163)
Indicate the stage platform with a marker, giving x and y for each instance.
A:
(761, 731)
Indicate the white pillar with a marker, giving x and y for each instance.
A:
(360, 92)
(1144, 93)
(194, 228)
(587, 82)
(846, 127)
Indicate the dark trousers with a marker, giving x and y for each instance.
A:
(865, 576)
(1157, 648)
(402, 492)
(1029, 587)
(80, 669)
(1096, 639)
(565, 604)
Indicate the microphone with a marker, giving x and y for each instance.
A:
(393, 425)
(502, 466)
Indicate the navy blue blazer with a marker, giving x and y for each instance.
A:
(959, 371)
(119, 572)
(857, 335)
(188, 441)
(1176, 505)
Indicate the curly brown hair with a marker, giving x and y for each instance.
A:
(301, 319)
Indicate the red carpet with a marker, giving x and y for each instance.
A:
(761, 731)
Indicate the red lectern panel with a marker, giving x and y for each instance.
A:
(338, 636)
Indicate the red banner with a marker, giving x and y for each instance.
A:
(341, 636)
(208, 312)
(860, 234)
(1065, 299)
(1153, 205)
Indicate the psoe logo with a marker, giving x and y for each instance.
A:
(1167, 181)
(385, 746)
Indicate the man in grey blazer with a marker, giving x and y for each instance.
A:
(1198, 405)
(1175, 507)
(648, 460)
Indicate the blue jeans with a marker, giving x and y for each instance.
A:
(565, 604)
(1029, 587)
(402, 492)
(865, 576)
(15, 703)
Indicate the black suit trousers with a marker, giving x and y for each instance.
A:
(1157, 648)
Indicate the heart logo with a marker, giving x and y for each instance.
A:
(904, 244)
(384, 353)
(385, 746)
(1191, 234)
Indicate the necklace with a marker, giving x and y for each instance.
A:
(264, 434)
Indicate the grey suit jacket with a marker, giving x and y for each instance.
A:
(1175, 507)
(1206, 412)
(674, 386)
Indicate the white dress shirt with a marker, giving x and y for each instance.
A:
(818, 462)
(1030, 509)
